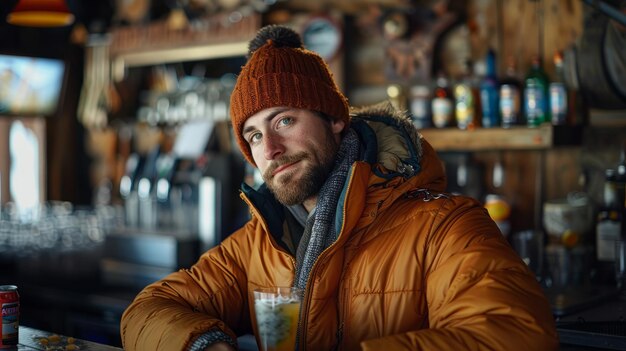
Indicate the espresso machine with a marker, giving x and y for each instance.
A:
(177, 204)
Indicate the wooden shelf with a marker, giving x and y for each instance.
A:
(167, 55)
(514, 138)
(158, 42)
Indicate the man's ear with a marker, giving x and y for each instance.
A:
(337, 126)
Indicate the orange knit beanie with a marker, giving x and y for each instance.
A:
(280, 72)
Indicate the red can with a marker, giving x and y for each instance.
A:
(10, 306)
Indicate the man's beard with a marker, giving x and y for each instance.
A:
(289, 191)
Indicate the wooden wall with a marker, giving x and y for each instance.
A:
(531, 178)
(510, 27)
(514, 28)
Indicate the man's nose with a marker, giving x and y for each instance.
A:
(272, 146)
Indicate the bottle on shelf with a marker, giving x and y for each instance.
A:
(620, 246)
(536, 101)
(620, 185)
(510, 96)
(420, 106)
(489, 93)
(608, 225)
(442, 104)
(465, 101)
(558, 92)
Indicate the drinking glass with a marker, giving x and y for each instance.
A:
(277, 311)
(529, 246)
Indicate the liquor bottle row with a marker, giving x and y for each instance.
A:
(611, 226)
(611, 212)
(486, 100)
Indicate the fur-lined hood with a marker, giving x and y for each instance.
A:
(398, 142)
(399, 147)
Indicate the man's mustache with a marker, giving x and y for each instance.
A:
(282, 160)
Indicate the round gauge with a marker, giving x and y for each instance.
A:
(322, 35)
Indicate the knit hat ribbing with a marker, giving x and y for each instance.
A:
(282, 73)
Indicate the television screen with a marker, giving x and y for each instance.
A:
(30, 85)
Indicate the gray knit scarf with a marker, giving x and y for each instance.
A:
(319, 231)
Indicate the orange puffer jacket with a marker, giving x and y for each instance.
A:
(412, 268)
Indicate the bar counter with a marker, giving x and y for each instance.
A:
(66, 294)
(33, 339)
(611, 309)
(592, 323)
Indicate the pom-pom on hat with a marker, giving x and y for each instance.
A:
(281, 72)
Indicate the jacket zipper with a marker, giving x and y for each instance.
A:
(306, 301)
(424, 194)
(342, 314)
(339, 336)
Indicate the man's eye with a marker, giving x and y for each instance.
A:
(285, 121)
(254, 138)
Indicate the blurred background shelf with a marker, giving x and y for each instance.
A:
(515, 138)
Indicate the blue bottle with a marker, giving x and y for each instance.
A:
(489, 93)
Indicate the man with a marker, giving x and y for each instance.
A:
(352, 210)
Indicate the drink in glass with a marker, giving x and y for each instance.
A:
(277, 312)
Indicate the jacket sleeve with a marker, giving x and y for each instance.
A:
(480, 294)
(169, 314)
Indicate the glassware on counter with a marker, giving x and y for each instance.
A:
(54, 226)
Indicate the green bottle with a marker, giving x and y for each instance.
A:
(536, 102)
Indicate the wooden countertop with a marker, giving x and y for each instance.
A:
(33, 339)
